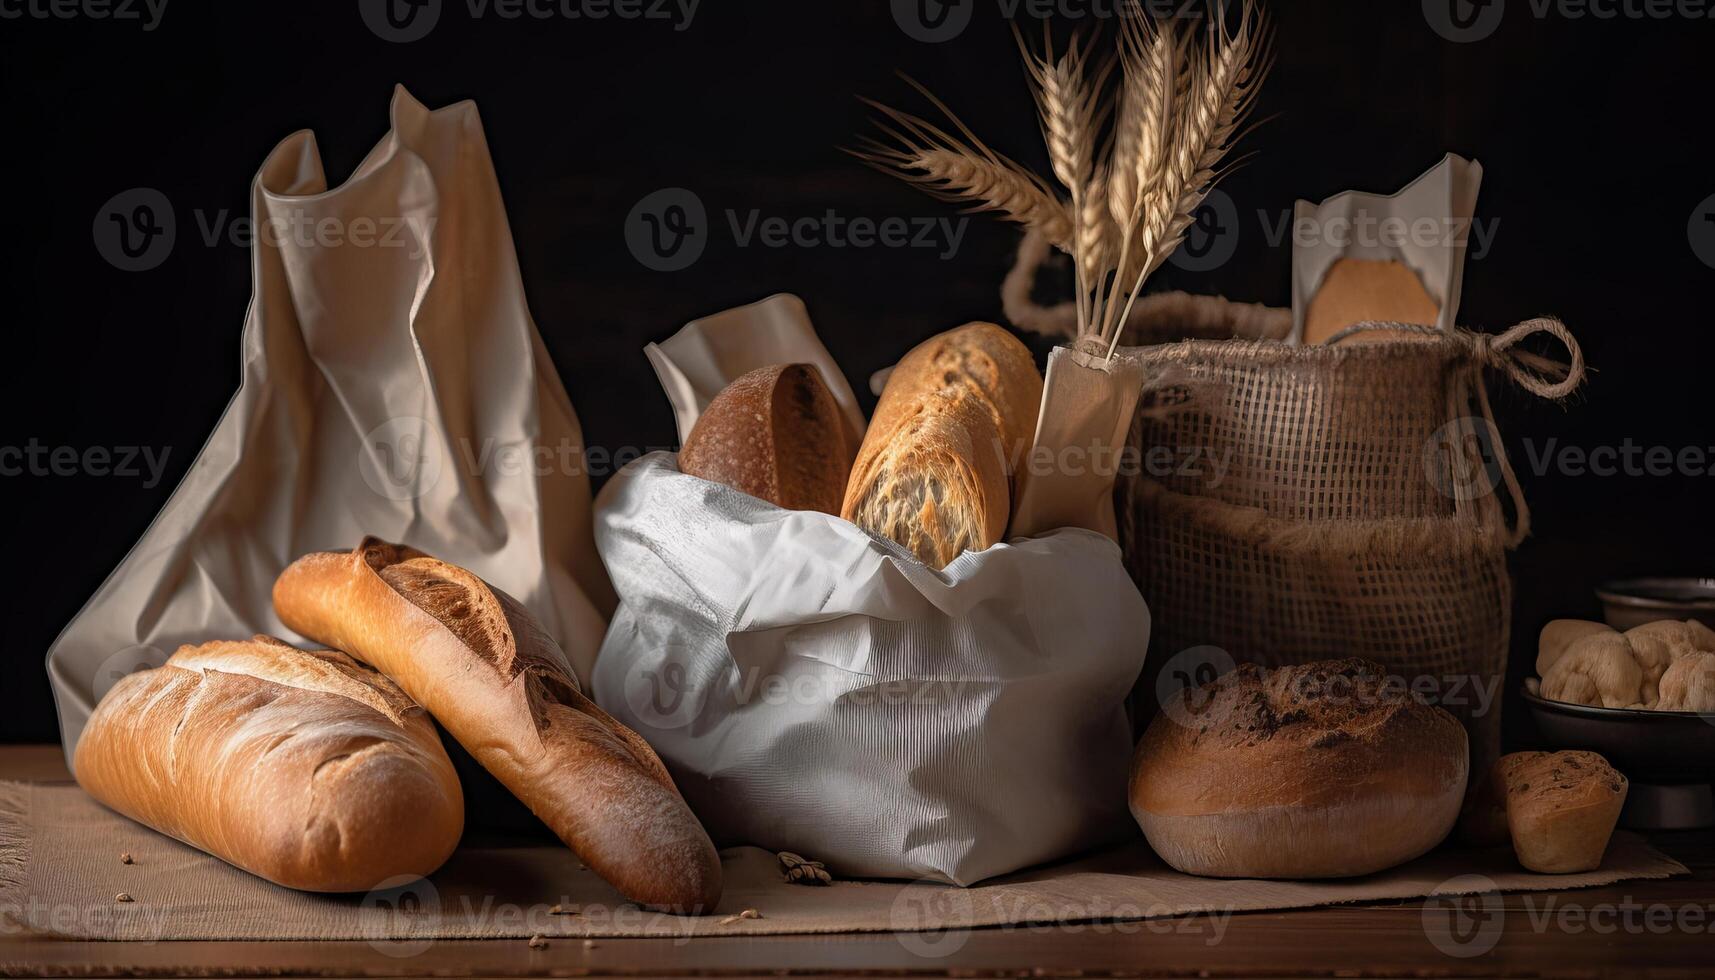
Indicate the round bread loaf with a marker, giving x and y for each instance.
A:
(1324, 770)
(777, 434)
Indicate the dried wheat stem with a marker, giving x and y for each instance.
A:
(1177, 110)
(988, 186)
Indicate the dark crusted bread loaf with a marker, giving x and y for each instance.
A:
(305, 768)
(1317, 771)
(482, 665)
(776, 434)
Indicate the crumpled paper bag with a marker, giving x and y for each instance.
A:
(706, 355)
(393, 383)
(819, 690)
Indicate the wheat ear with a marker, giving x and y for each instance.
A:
(965, 170)
(1221, 85)
(1154, 81)
(1071, 110)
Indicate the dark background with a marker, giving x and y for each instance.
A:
(1592, 133)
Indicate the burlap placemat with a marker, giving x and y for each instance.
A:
(61, 873)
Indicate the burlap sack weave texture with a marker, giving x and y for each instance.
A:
(1364, 504)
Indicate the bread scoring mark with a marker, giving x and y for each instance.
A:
(1326, 703)
(361, 747)
(459, 601)
(323, 671)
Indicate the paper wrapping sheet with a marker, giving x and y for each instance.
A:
(59, 872)
(817, 690)
(393, 383)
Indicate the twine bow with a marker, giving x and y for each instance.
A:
(1539, 375)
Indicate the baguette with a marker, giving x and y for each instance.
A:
(307, 769)
(979, 362)
(486, 670)
(934, 471)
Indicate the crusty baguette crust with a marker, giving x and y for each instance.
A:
(484, 668)
(934, 471)
(978, 361)
(936, 484)
(1314, 771)
(307, 769)
(777, 434)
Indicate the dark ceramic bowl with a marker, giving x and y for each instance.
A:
(1632, 602)
(1669, 756)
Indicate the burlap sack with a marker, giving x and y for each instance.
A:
(1301, 503)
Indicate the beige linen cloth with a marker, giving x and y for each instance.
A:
(393, 383)
(61, 872)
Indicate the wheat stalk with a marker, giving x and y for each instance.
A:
(983, 185)
(1175, 112)
(1096, 235)
(1217, 88)
(1071, 111)
(965, 170)
(1155, 82)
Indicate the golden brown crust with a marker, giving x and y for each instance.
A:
(777, 434)
(980, 362)
(305, 768)
(936, 485)
(1320, 770)
(934, 470)
(485, 669)
(1561, 808)
(1315, 734)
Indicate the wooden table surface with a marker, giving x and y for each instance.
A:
(1633, 929)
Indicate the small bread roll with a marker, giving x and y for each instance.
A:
(1561, 808)
(1319, 771)
(776, 434)
(1558, 636)
(1598, 670)
(1656, 646)
(1689, 684)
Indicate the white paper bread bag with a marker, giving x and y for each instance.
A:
(816, 689)
(1384, 257)
(393, 383)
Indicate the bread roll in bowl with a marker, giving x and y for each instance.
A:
(1324, 770)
